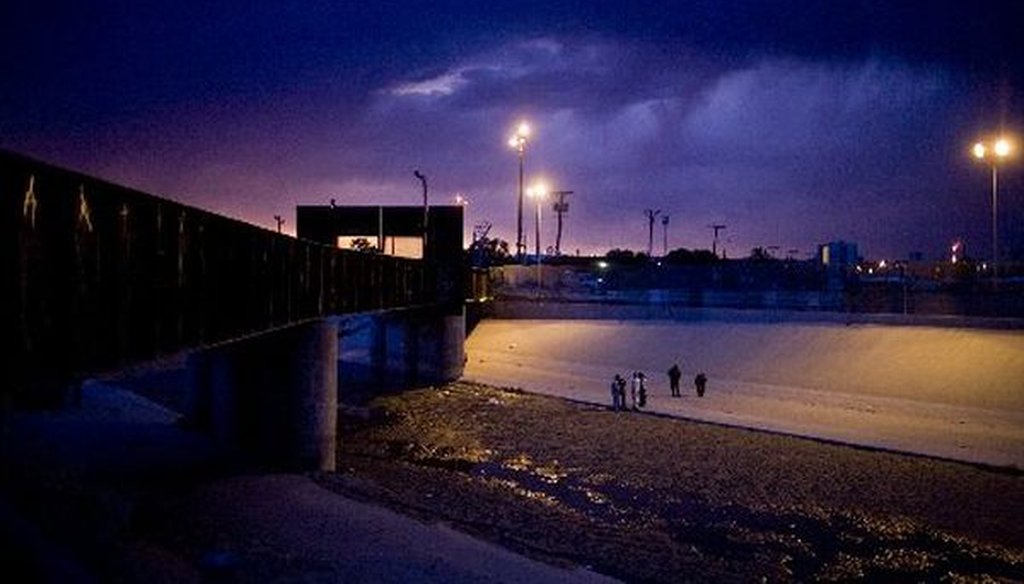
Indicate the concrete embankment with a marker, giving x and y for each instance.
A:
(950, 392)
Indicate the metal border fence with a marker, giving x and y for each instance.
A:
(96, 276)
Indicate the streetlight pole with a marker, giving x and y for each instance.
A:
(518, 142)
(423, 182)
(561, 207)
(995, 223)
(664, 235)
(651, 214)
(993, 153)
(537, 192)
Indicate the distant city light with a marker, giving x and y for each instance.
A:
(602, 264)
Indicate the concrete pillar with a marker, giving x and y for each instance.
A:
(272, 397)
(442, 356)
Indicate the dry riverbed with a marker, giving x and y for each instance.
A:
(650, 498)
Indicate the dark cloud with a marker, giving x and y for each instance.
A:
(793, 122)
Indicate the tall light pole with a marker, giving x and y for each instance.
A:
(561, 207)
(994, 153)
(714, 242)
(537, 192)
(423, 181)
(651, 214)
(518, 142)
(664, 234)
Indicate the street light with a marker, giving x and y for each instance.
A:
(518, 142)
(994, 153)
(537, 192)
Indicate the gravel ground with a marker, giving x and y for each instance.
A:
(643, 497)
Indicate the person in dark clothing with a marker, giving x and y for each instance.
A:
(618, 393)
(674, 374)
(701, 382)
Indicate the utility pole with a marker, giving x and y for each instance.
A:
(714, 242)
(423, 181)
(664, 235)
(561, 206)
(651, 214)
(280, 222)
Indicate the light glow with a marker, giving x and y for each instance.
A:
(537, 191)
(978, 150)
(518, 140)
(1002, 148)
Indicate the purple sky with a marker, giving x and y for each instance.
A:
(793, 123)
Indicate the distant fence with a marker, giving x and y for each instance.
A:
(97, 275)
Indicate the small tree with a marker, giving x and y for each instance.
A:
(625, 256)
(488, 251)
(686, 257)
(362, 244)
(760, 254)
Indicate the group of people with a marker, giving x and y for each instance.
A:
(637, 391)
(638, 387)
(700, 381)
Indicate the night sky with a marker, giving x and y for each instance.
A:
(793, 123)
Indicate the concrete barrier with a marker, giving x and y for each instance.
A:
(526, 309)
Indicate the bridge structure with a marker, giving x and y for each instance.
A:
(97, 277)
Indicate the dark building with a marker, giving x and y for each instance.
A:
(441, 248)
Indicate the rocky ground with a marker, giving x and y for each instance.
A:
(643, 497)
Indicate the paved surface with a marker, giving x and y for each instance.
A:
(906, 389)
(284, 528)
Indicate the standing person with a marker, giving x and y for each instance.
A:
(642, 389)
(618, 393)
(700, 382)
(674, 375)
(634, 389)
(621, 388)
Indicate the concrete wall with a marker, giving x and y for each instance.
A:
(524, 309)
